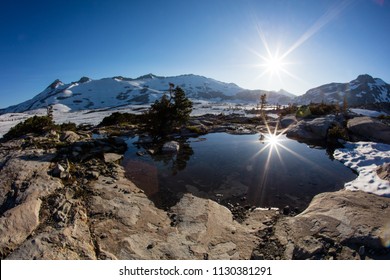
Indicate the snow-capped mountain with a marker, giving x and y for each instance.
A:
(363, 90)
(119, 91)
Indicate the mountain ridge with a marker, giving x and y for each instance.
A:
(361, 91)
(118, 91)
(121, 91)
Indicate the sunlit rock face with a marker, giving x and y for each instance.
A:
(338, 225)
(311, 130)
(367, 128)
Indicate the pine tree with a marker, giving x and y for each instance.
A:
(167, 114)
(182, 107)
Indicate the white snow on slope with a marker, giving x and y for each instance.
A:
(368, 113)
(365, 157)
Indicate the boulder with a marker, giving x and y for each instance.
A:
(288, 121)
(69, 241)
(170, 147)
(18, 223)
(311, 130)
(334, 223)
(366, 128)
(69, 136)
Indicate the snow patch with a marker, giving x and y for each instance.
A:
(368, 113)
(61, 108)
(353, 85)
(365, 157)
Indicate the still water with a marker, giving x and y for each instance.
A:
(237, 169)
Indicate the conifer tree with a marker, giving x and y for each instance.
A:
(168, 114)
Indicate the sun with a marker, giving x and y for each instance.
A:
(274, 64)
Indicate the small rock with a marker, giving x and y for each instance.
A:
(69, 136)
(112, 157)
(286, 210)
(93, 174)
(362, 250)
(59, 171)
(171, 147)
(145, 139)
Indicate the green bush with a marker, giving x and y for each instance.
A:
(323, 109)
(383, 117)
(303, 112)
(338, 132)
(37, 125)
(69, 126)
(196, 129)
(118, 118)
(291, 109)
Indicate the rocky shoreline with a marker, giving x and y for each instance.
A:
(66, 197)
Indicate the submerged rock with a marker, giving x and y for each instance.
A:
(170, 147)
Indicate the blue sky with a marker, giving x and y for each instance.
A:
(317, 42)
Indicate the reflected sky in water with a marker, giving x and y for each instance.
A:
(248, 169)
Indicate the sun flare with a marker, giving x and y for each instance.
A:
(274, 64)
(272, 139)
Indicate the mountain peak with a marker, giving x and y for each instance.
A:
(365, 79)
(55, 84)
(83, 80)
(148, 77)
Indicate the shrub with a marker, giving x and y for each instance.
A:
(197, 129)
(69, 126)
(118, 118)
(37, 125)
(291, 109)
(383, 117)
(338, 132)
(323, 109)
(303, 112)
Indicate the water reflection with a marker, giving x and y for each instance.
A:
(175, 161)
(269, 171)
(143, 169)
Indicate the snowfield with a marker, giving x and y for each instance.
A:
(62, 113)
(365, 157)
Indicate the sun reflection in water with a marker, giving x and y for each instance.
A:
(272, 142)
